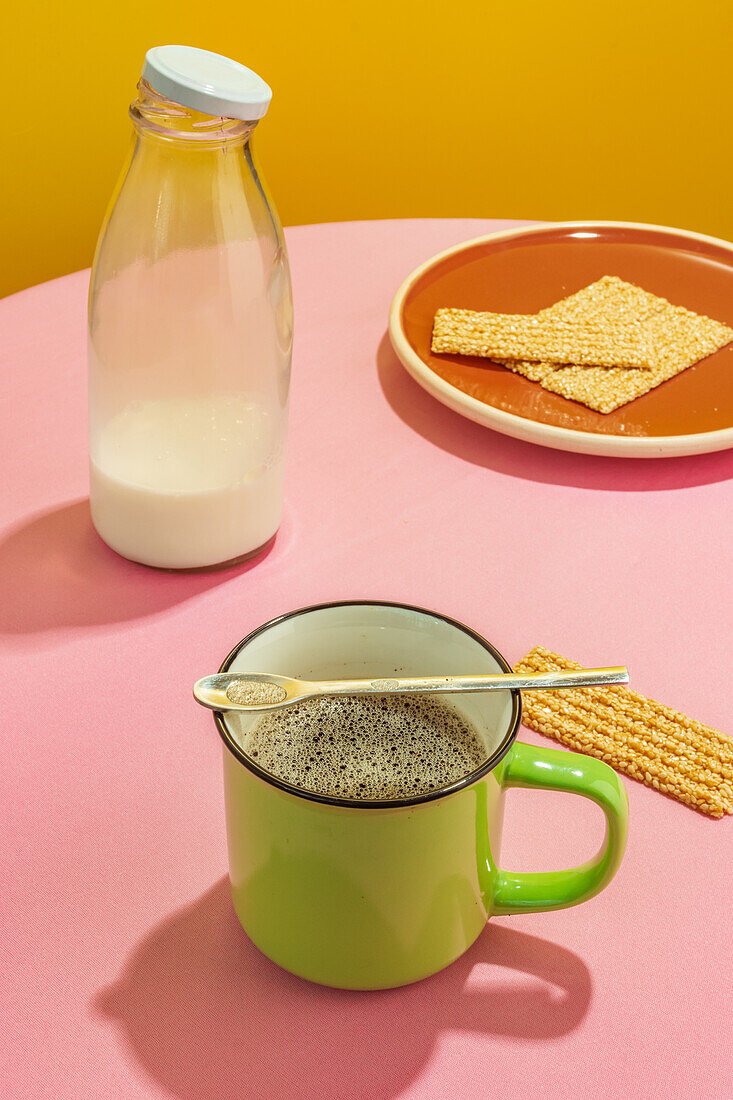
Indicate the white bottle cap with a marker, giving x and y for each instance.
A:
(207, 82)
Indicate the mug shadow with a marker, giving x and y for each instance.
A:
(479, 445)
(55, 571)
(209, 1017)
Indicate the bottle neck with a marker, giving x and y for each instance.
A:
(160, 119)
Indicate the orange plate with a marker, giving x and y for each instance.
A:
(524, 270)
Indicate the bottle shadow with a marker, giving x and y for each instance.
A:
(207, 1015)
(481, 446)
(55, 571)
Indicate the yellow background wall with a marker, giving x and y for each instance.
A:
(385, 108)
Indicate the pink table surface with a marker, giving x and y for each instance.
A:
(124, 971)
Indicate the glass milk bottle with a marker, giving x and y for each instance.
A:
(190, 326)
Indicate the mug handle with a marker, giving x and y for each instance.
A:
(532, 766)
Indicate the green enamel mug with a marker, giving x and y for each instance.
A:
(371, 895)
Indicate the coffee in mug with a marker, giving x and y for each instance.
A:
(391, 746)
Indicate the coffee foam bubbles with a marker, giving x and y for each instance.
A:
(385, 747)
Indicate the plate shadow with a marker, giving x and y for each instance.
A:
(483, 447)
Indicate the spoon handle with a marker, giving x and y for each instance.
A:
(537, 681)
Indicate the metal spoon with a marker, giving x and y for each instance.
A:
(249, 691)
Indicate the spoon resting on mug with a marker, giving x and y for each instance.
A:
(261, 691)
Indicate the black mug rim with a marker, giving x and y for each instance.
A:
(373, 804)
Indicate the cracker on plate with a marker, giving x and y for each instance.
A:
(520, 336)
(678, 338)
